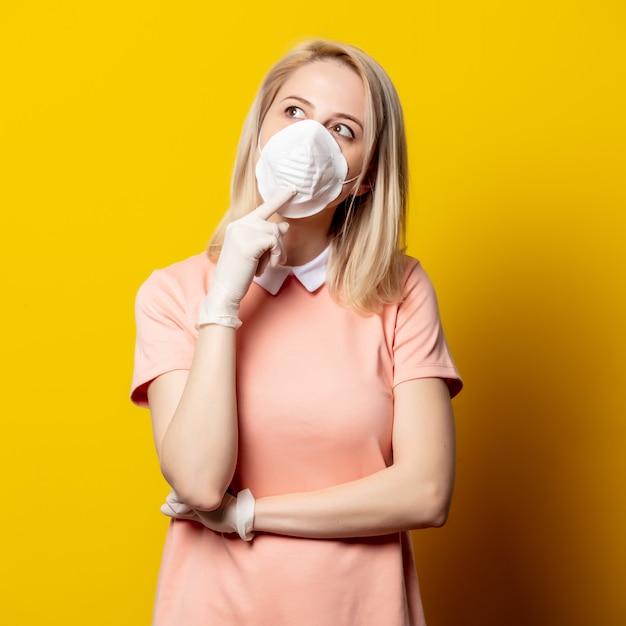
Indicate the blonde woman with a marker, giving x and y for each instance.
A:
(297, 374)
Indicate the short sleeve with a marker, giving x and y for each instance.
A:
(165, 338)
(420, 349)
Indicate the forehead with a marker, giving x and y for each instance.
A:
(326, 83)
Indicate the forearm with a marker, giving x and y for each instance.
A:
(199, 448)
(389, 501)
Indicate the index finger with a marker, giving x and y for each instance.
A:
(268, 208)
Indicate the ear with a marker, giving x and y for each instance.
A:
(367, 186)
(370, 178)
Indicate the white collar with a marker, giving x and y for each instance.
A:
(312, 275)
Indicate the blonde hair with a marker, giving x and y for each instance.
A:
(367, 236)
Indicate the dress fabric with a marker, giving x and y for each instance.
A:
(315, 407)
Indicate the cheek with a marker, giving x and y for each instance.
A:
(355, 162)
(264, 136)
(269, 128)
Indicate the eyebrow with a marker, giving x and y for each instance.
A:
(346, 116)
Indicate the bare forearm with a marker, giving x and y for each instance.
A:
(414, 492)
(386, 502)
(199, 448)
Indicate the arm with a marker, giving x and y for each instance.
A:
(414, 492)
(194, 420)
(194, 413)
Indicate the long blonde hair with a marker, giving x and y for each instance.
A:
(367, 237)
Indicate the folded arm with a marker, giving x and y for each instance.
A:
(414, 492)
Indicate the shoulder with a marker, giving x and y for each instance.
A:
(417, 313)
(181, 281)
(417, 309)
(419, 344)
(189, 270)
(417, 284)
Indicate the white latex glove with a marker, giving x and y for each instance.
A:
(173, 507)
(249, 244)
(234, 515)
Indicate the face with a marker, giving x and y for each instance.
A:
(331, 94)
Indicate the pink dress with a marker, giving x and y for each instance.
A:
(315, 402)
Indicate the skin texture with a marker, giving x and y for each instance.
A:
(194, 412)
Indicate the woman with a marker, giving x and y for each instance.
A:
(297, 376)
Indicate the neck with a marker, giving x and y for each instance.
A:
(307, 237)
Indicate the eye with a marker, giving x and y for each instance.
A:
(343, 130)
(294, 112)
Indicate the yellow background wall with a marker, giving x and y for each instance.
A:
(118, 129)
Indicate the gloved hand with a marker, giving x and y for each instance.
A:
(234, 515)
(249, 244)
(173, 507)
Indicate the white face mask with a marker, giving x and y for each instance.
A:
(303, 156)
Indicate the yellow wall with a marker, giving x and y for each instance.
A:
(118, 128)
